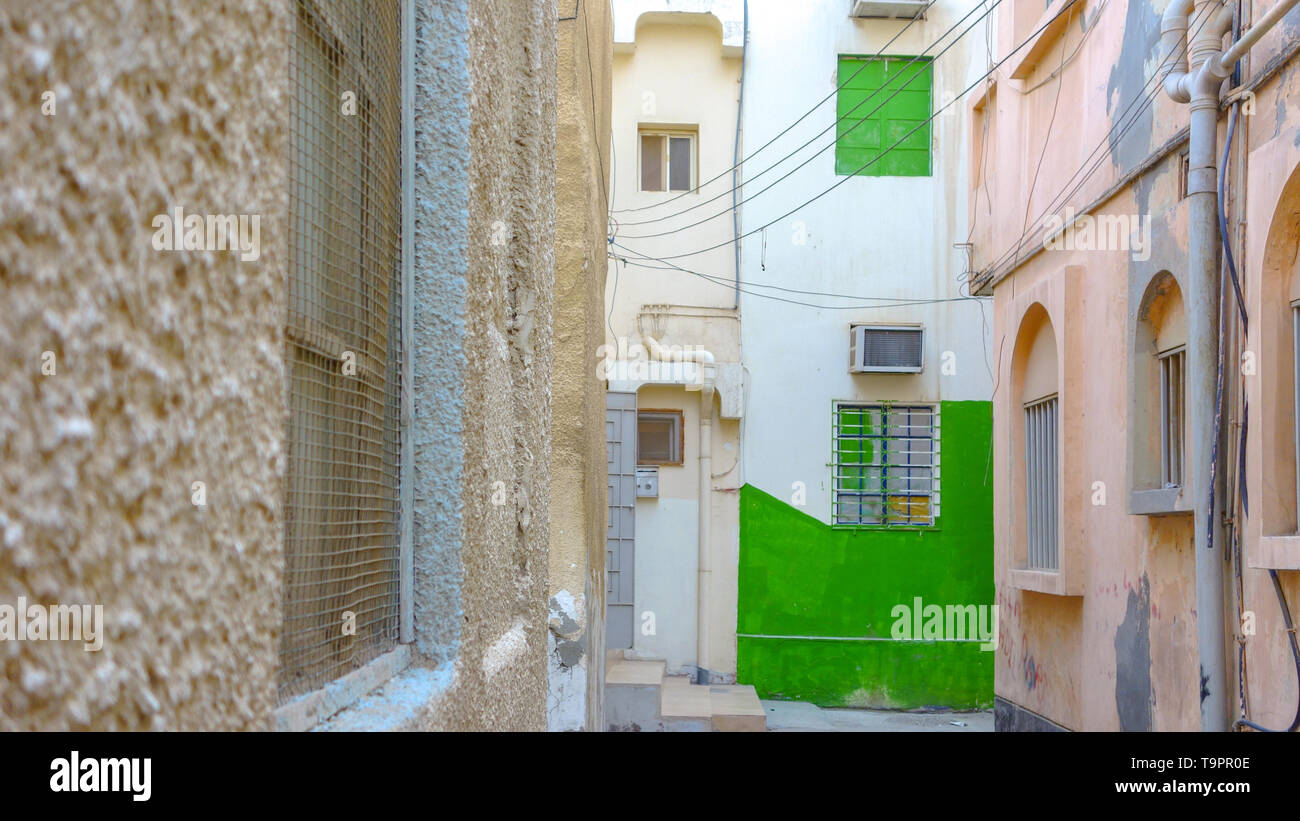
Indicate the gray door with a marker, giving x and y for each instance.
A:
(620, 558)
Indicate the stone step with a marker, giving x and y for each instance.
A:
(629, 671)
(736, 709)
(640, 697)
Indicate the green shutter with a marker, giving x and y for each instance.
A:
(868, 125)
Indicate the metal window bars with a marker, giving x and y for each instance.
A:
(1172, 405)
(1042, 480)
(886, 460)
(341, 514)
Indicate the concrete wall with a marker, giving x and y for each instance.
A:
(676, 64)
(1109, 642)
(817, 618)
(887, 242)
(167, 366)
(484, 283)
(576, 593)
(879, 238)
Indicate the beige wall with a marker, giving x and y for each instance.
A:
(1110, 641)
(576, 593)
(168, 365)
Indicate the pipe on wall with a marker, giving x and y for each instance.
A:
(1195, 78)
(704, 556)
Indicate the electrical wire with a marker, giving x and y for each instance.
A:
(1067, 191)
(1068, 5)
(728, 283)
(847, 115)
(788, 128)
(1047, 138)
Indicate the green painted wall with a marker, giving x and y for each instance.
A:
(802, 577)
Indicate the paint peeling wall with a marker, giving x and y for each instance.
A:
(1114, 646)
(167, 366)
(576, 594)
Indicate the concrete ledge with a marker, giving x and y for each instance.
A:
(1157, 502)
(407, 702)
(306, 711)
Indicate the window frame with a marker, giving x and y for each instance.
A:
(1042, 461)
(679, 422)
(876, 100)
(932, 495)
(668, 133)
(1173, 433)
(306, 332)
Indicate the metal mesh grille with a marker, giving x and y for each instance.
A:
(1041, 483)
(886, 460)
(342, 342)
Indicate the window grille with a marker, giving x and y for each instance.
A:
(341, 514)
(1171, 416)
(1041, 482)
(886, 460)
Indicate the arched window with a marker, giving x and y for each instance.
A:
(1159, 424)
(1037, 383)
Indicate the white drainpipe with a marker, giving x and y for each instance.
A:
(1195, 78)
(704, 360)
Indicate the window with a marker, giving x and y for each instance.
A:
(1295, 392)
(667, 160)
(1040, 483)
(659, 437)
(1157, 432)
(1171, 416)
(885, 459)
(341, 516)
(883, 101)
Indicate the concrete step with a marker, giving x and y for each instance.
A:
(628, 671)
(639, 697)
(736, 709)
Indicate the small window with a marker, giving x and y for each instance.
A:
(885, 456)
(659, 437)
(667, 160)
(883, 116)
(1041, 482)
(1295, 396)
(1171, 416)
(1184, 169)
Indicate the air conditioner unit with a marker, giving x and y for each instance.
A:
(904, 9)
(886, 348)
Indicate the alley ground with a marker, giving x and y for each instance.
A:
(800, 716)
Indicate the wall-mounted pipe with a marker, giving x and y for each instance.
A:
(704, 552)
(1195, 78)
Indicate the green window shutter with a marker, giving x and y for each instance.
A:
(882, 99)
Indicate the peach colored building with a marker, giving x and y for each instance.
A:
(1089, 196)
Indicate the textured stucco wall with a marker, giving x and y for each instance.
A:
(485, 79)
(576, 594)
(168, 365)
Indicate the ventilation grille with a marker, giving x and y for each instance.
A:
(886, 349)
